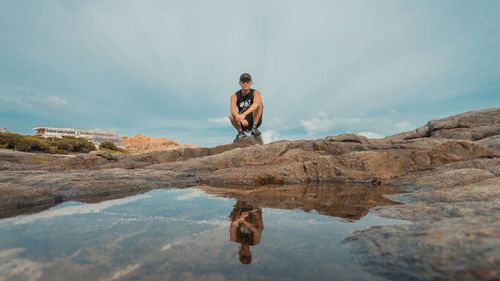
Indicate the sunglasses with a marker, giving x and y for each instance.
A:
(245, 80)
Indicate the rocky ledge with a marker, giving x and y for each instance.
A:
(449, 168)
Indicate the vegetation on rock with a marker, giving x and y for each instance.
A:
(51, 145)
(111, 147)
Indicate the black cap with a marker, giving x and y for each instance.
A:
(245, 76)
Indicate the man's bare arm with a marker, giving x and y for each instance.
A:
(257, 101)
(232, 105)
(232, 232)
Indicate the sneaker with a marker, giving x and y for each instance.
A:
(256, 132)
(240, 135)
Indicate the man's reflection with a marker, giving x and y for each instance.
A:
(245, 228)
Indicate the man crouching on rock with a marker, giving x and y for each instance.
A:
(246, 108)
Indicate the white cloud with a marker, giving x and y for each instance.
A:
(219, 121)
(274, 122)
(371, 135)
(19, 100)
(403, 126)
(56, 102)
(317, 125)
(15, 267)
(323, 123)
(190, 195)
(170, 245)
(270, 136)
(83, 208)
(125, 271)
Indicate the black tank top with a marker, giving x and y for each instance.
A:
(244, 102)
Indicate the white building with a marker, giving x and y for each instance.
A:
(97, 136)
(3, 130)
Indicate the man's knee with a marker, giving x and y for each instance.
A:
(258, 111)
(260, 108)
(244, 123)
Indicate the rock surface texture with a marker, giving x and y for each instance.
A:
(141, 144)
(449, 168)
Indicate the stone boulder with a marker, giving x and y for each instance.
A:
(473, 125)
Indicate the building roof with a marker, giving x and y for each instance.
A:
(77, 129)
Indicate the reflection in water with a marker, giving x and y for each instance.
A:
(245, 228)
(348, 201)
(182, 234)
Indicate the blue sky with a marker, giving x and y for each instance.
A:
(168, 68)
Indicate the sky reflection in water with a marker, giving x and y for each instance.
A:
(188, 234)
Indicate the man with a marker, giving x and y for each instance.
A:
(245, 228)
(246, 108)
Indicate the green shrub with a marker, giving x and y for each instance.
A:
(22, 145)
(37, 143)
(66, 146)
(53, 150)
(9, 140)
(109, 145)
(83, 145)
(50, 145)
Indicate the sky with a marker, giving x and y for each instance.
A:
(168, 68)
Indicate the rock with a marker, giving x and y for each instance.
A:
(448, 249)
(468, 120)
(343, 158)
(249, 140)
(473, 125)
(107, 156)
(350, 201)
(455, 215)
(449, 179)
(493, 142)
(476, 133)
(175, 155)
(347, 138)
(449, 169)
(142, 144)
(421, 132)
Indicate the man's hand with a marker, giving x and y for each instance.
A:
(241, 117)
(241, 219)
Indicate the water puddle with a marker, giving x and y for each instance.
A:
(279, 233)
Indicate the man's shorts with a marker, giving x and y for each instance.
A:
(249, 118)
